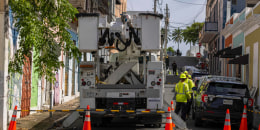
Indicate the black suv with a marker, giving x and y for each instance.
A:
(216, 95)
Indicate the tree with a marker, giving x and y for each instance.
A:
(42, 26)
(191, 33)
(177, 37)
(170, 49)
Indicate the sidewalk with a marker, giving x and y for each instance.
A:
(256, 121)
(41, 120)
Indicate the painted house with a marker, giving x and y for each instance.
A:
(218, 16)
(236, 69)
(241, 52)
(252, 47)
(27, 90)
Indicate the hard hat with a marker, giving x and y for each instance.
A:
(189, 76)
(185, 72)
(183, 76)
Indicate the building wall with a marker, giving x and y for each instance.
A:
(70, 83)
(252, 41)
(238, 7)
(120, 8)
(228, 41)
(34, 89)
(238, 40)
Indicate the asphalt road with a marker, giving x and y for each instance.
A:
(129, 124)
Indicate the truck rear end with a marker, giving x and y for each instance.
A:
(121, 79)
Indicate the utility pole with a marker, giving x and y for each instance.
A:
(154, 6)
(166, 29)
(4, 64)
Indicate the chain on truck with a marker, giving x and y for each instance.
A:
(125, 73)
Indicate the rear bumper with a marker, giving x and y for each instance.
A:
(142, 118)
(219, 117)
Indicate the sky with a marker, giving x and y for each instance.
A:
(182, 13)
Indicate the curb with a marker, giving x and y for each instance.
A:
(59, 121)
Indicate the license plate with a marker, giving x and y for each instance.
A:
(228, 102)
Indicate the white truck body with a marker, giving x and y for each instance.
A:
(131, 82)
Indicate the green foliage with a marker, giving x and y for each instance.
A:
(191, 33)
(177, 36)
(170, 49)
(42, 26)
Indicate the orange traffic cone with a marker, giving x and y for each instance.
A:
(172, 105)
(173, 125)
(227, 125)
(243, 124)
(12, 125)
(87, 122)
(168, 125)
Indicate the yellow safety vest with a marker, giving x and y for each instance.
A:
(190, 84)
(182, 92)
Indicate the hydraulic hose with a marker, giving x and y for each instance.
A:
(119, 48)
(136, 38)
(127, 43)
(111, 40)
(102, 40)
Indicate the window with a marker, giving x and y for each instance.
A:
(234, 2)
(227, 89)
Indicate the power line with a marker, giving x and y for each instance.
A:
(198, 14)
(188, 2)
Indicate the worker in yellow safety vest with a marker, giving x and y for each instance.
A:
(191, 85)
(182, 95)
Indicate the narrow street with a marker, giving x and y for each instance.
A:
(67, 64)
(129, 124)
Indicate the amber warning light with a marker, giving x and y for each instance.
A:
(86, 66)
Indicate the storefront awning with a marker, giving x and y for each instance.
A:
(240, 60)
(220, 52)
(232, 53)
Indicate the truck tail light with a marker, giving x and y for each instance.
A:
(120, 103)
(204, 98)
(250, 102)
(158, 83)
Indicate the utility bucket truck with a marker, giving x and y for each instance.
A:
(125, 77)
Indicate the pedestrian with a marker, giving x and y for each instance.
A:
(174, 68)
(182, 95)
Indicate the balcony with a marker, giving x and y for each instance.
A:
(208, 32)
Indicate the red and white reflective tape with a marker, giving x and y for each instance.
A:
(87, 116)
(120, 103)
(14, 115)
(169, 118)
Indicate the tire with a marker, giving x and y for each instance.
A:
(198, 121)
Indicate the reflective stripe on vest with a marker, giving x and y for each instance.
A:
(182, 88)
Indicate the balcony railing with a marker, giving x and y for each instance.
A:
(208, 32)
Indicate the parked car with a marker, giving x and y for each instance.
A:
(198, 74)
(215, 95)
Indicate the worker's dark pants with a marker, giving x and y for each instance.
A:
(174, 71)
(181, 106)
